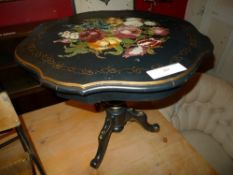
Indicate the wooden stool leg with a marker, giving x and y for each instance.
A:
(29, 148)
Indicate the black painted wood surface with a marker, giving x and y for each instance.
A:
(95, 75)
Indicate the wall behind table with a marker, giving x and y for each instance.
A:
(95, 5)
(214, 19)
(28, 11)
(171, 8)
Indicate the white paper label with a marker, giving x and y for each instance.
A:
(166, 70)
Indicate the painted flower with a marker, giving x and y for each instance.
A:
(133, 19)
(91, 35)
(149, 43)
(74, 35)
(64, 40)
(114, 21)
(105, 43)
(160, 31)
(128, 37)
(135, 51)
(137, 22)
(69, 35)
(150, 23)
(127, 32)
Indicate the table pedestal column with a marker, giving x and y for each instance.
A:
(117, 116)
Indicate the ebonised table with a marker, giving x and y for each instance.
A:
(105, 56)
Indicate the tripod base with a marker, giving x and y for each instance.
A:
(117, 116)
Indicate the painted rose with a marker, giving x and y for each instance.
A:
(149, 43)
(128, 37)
(114, 21)
(134, 51)
(150, 23)
(161, 31)
(104, 44)
(91, 35)
(137, 22)
(67, 37)
(127, 32)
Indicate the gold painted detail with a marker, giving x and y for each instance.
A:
(32, 50)
(191, 39)
(107, 82)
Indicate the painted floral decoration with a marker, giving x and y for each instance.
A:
(115, 36)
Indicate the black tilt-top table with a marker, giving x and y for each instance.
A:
(105, 56)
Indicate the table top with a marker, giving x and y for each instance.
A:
(109, 52)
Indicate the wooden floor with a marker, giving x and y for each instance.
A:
(65, 136)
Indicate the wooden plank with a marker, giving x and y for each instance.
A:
(65, 136)
(8, 116)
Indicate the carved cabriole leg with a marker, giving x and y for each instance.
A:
(114, 122)
(103, 139)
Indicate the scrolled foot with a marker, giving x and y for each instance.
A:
(94, 163)
(156, 127)
(141, 118)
